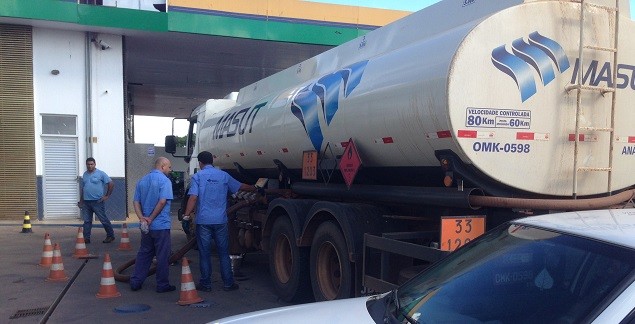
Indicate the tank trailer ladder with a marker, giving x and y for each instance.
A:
(614, 12)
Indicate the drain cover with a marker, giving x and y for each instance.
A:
(200, 305)
(132, 308)
(29, 312)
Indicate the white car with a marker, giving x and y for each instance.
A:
(576, 267)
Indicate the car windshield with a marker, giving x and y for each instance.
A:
(518, 274)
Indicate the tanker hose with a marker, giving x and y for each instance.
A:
(176, 256)
(553, 204)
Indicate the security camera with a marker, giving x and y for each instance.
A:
(103, 45)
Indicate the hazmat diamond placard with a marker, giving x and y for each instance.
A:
(350, 163)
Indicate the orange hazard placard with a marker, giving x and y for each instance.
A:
(309, 165)
(459, 230)
(350, 163)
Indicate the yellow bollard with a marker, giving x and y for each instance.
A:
(26, 225)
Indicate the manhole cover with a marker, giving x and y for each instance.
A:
(132, 308)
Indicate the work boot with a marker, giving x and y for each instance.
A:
(233, 287)
(167, 289)
(109, 239)
(200, 287)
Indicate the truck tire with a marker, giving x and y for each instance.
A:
(331, 271)
(288, 263)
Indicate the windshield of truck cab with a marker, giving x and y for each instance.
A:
(518, 274)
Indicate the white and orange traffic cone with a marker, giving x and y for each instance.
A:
(125, 239)
(57, 267)
(47, 252)
(188, 289)
(80, 245)
(107, 288)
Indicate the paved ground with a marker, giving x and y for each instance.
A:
(23, 286)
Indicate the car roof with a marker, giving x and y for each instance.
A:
(616, 226)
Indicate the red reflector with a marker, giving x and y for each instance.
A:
(387, 140)
(572, 137)
(631, 139)
(444, 134)
(525, 136)
(467, 133)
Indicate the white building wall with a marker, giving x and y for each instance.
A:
(66, 92)
(107, 109)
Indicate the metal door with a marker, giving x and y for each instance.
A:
(60, 187)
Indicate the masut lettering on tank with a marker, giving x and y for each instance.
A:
(596, 74)
(237, 122)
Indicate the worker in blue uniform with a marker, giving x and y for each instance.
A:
(152, 199)
(209, 189)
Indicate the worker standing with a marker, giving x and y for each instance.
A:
(209, 188)
(92, 196)
(152, 200)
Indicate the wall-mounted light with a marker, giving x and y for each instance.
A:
(55, 72)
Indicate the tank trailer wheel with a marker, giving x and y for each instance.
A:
(331, 274)
(288, 263)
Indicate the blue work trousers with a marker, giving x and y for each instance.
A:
(155, 243)
(97, 207)
(220, 234)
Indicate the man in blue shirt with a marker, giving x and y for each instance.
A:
(152, 199)
(92, 198)
(209, 188)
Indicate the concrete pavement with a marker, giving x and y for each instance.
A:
(23, 287)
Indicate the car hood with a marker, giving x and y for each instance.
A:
(616, 226)
(351, 310)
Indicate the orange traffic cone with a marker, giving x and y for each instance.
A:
(57, 267)
(188, 289)
(125, 239)
(80, 245)
(47, 252)
(107, 289)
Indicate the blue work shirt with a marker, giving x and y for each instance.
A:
(94, 184)
(153, 187)
(211, 186)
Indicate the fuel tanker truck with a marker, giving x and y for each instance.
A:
(382, 154)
